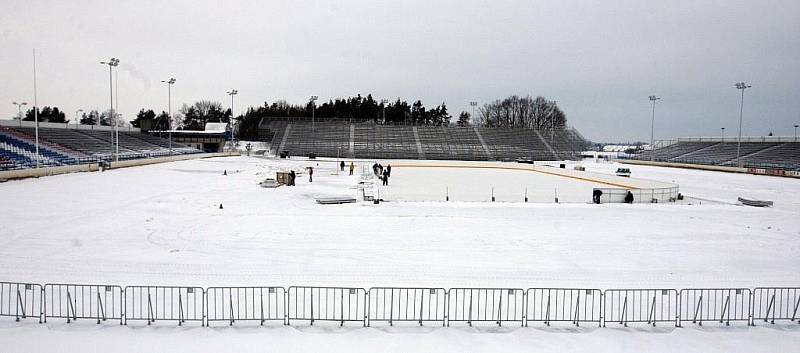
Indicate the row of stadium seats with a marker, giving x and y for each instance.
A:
(752, 154)
(368, 140)
(60, 146)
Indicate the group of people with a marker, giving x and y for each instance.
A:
(382, 173)
(352, 166)
(293, 176)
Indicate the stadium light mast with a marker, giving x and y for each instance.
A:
(653, 129)
(313, 106)
(19, 109)
(169, 83)
(473, 104)
(383, 113)
(795, 132)
(77, 121)
(740, 86)
(113, 62)
(723, 134)
(232, 93)
(36, 108)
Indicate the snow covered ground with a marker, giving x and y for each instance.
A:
(162, 225)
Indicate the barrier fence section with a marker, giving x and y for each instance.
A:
(391, 304)
(233, 304)
(496, 305)
(21, 300)
(83, 301)
(572, 305)
(776, 303)
(641, 306)
(340, 304)
(715, 304)
(152, 303)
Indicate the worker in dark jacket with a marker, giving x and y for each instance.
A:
(385, 178)
(292, 175)
(629, 197)
(310, 174)
(389, 169)
(341, 165)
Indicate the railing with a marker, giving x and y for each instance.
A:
(644, 195)
(776, 303)
(418, 305)
(21, 300)
(164, 303)
(497, 305)
(231, 304)
(715, 304)
(82, 301)
(548, 305)
(648, 306)
(339, 304)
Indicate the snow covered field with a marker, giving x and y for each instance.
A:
(162, 225)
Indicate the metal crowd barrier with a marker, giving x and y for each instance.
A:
(776, 303)
(641, 306)
(21, 300)
(152, 303)
(396, 304)
(572, 305)
(340, 304)
(390, 304)
(715, 304)
(233, 304)
(82, 301)
(496, 305)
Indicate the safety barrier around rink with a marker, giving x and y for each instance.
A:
(397, 305)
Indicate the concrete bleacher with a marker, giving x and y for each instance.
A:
(70, 145)
(369, 140)
(754, 152)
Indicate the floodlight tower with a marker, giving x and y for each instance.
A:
(169, 83)
(795, 132)
(473, 104)
(740, 86)
(313, 106)
(652, 129)
(113, 62)
(19, 109)
(77, 121)
(723, 134)
(383, 113)
(232, 93)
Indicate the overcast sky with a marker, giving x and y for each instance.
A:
(599, 59)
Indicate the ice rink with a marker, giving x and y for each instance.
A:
(162, 225)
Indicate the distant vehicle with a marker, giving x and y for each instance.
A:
(524, 160)
(624, 172)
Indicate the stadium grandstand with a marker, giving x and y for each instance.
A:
(64, 144)
(755, 152)
(367, 140)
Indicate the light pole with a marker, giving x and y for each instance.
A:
(740, 86)
(77, 120)
(169, 83)
(795, 132)
(383, 113)
(111, 64)
(723, 135)
(19, 109)
(232, 93)
(653, 129)
(313, 106)
(473, 104)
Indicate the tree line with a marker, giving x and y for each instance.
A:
(513, 111)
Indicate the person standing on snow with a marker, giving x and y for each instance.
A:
(385, 178)
(310, 174)
(352, 166)
(292, 175)
(341, 165)
(389, 170)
